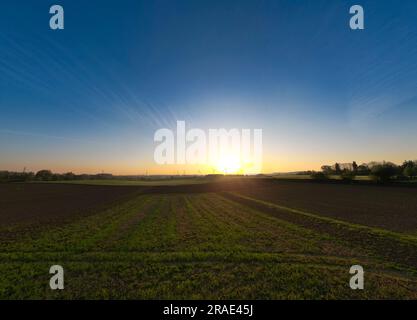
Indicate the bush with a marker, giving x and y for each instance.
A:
(44, 175)
(319, 176)
(348, 176)
(4, 176)
(410, 171)
(384, 172)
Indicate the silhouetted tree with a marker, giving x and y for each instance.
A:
(347, 175)
(68, 176)
(327, 169)
(409, 169)
(44, 175)
(319, 176)
(363, 170)
(384, 172)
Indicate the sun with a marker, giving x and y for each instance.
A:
(229, 164)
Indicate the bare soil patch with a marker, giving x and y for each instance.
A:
(388, 207)
(39, 203)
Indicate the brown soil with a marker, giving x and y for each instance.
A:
(389, 207)
(38, 203)
(389, 249)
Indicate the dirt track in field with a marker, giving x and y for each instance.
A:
(392, 208)
(38, 203)
(389, 207)
(389, 249)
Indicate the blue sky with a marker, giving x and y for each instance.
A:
(89, 98)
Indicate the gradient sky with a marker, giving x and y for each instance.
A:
(89, 98)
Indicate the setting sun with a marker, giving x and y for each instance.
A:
(229, 164)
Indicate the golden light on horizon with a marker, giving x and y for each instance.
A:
(229, 164)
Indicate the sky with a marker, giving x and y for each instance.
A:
(89, 98)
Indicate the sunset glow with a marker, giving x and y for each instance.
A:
(229, 164)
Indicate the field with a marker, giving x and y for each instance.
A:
(120, 182)
(240, 239)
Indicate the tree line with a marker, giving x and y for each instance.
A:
(48, 175)
(379, 171)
